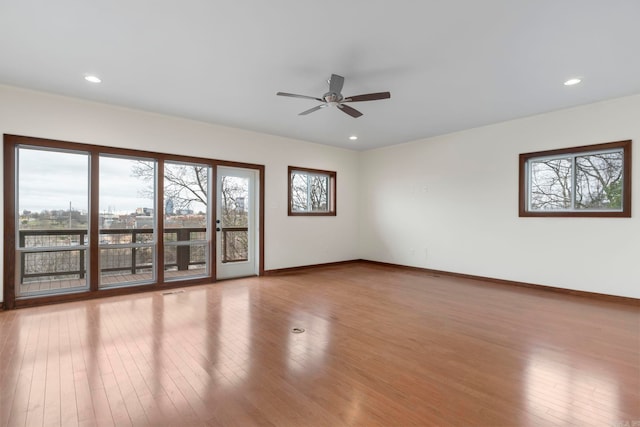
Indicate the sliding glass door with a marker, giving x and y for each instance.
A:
(82, 218)
(187, 237)
(53, 199)
(127, 223)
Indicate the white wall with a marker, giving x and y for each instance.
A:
(448, 203)
(287, 239)
(451, 203)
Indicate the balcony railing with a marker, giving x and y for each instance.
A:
(47, 253)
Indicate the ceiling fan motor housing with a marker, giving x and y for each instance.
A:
(332, 98)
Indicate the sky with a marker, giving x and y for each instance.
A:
(50, 180)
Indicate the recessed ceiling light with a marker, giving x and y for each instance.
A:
(572, 82)
(92, 79)
(353, 137)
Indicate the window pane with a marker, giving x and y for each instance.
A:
(185, 261)
(599, 181)
(186, 219)
(309, 192)
(235, 245)
(127, 221)
(319, 193)
(53, 202)
(550, 184)
(299, 192)
(235, 218)
(126, 266)
(235, 201)
(52, 272)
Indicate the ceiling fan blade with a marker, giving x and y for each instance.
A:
(311, 110)
(335, 83)
(350, 110)
(368, 97)
(293, 95)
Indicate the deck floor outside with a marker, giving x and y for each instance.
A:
(121, 278)
(382, 346)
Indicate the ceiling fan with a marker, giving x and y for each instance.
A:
(334, 97)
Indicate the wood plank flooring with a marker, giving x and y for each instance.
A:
(381, 347)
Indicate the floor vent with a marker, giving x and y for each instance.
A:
(177, 291)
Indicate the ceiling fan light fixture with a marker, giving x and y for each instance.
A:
(572, 81)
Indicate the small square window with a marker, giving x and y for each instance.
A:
(311, 192)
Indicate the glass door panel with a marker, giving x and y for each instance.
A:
(127, 221)
(52, 221)
(187, 239)
(236, 223)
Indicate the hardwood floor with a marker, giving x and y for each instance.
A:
(381, 346)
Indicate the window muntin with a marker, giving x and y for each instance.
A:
(311, 192)
(582, 181)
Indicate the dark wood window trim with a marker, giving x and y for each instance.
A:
(9, 261)
(332, 192)
(626, 189)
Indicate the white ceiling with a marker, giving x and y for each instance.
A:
(449, 65)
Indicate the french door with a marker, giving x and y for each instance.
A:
(236, 223)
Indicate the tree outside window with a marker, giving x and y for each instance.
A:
(311, 191)
(582, 181)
